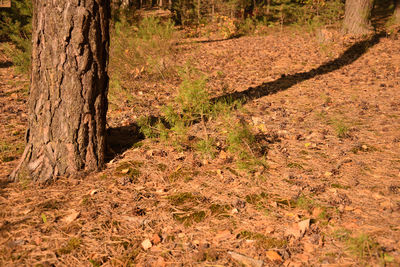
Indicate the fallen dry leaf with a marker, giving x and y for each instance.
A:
(223, 155)
(317, 211)
(223, 235)
(247, 261)
(303, 257)
(386, 204)
(156, 239)
(125, 171)
(273, 256)
(308, 247)
(293, 231)
(298, 230)
(269, 230)
(72, 215)
(146, 244)
(161, 262)
(304, 225)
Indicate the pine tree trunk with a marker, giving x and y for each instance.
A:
(213, 10)
(68, 95)
(396, 14)
(198, 10)
(356, 18)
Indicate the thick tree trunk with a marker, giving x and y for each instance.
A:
(68, 94)
(356, 18)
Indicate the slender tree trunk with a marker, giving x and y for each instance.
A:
(213, 10)
(357, 15)
(198, 10)
(68, 95)
(160, 4)
(268, 6)
(396, 14)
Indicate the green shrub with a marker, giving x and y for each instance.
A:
(248, 26)
(207, 147)
(242, 142)
(191, 105)
(341, 128)
(192, 99)
(152, 29)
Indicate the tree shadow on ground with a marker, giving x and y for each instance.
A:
(287, 81)
(236, 36)
(122, 138)
(5, 64)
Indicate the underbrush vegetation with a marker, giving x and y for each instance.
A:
(193, 122)
(136, 52)
(144, 49)
(362, 246)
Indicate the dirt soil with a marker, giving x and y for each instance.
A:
(329, 110)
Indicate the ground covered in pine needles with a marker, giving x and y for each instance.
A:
(319, 184)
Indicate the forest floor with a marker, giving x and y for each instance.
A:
(327, 113)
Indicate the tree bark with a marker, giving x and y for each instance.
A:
(198, 10)
(67, 104)
(396, 14)
(213, 10)
(356, 18)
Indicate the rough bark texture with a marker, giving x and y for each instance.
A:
(356, 18)
(68, 94)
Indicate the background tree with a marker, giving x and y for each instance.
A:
(357, 17)
(68, 95)
(396, 14)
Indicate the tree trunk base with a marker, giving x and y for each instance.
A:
(40, 170)
(358, 31)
